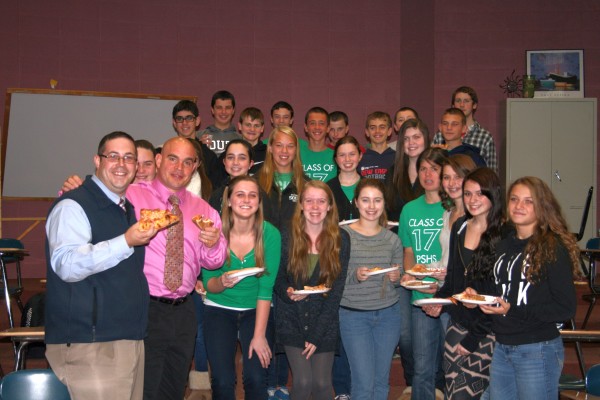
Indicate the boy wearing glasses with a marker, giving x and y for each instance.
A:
(186, 120)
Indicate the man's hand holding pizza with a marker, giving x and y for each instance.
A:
(134, 236)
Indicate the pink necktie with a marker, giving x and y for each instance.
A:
(174, 255)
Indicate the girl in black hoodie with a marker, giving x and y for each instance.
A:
(534, 273)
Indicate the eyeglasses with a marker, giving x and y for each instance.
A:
(114, 158)
(187, 118)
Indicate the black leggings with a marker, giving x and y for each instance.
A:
(311, 378)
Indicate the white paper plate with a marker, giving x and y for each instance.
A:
(430, 272)
(432, 302)
(348, 222)
(242, 273)
(420, 285)
(382, 271)
(311, 291)
(488, 300)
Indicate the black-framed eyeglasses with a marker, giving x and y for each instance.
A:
(187, 118)
(114, 158)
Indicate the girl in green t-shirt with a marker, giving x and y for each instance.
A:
(238, 303)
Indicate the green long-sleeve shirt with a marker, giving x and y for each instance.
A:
(253, 288)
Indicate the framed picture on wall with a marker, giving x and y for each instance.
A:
(558, 73)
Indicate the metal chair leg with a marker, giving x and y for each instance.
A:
(20, 303)
(589, 311)
(579, 352)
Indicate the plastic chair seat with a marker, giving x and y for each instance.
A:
(33, 384)
(592, 380)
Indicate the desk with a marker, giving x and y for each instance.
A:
(18, 254)
(24, 336)
(580, 335)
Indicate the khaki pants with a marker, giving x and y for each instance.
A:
(100, 371)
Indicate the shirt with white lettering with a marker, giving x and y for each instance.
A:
(535, 308)
(420, 226)
(317, 164)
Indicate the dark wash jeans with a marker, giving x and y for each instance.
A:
(223, 329)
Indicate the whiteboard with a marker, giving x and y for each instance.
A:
(50, 134)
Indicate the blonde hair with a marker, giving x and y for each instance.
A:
(329, 241)
(227, 219)
(266, 175)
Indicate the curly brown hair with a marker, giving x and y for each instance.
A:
(550, 229)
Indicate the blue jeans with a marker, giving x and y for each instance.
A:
(200, 360)
(428, 348)
(370, 338)
(222, 331)
(528, 371)
(405, 342)
(340, 373)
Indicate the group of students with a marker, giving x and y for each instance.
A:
(451, 215)
(433, 207)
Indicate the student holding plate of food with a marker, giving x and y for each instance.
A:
(238, 299)
(469, 342)
(534, 271)
(370, 309)
(314, 257)
(421, 222)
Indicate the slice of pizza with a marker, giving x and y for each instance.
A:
(476, 297)
(202, 222)
(318, 287)
(160, 219)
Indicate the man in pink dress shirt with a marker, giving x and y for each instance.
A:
(172, 319)
(169, 344)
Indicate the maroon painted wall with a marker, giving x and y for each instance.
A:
(351, 55)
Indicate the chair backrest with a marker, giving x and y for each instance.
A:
(592, 380)
(593, 243)
(586, 211)
(11, 244)
(33, 384)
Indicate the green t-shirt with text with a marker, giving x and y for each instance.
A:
(317, 164)
(420, 227)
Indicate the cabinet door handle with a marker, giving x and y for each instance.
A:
(557, 176)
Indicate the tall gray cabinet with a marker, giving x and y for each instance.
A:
(555, 140)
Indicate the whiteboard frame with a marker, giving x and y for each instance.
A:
(83, 122)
